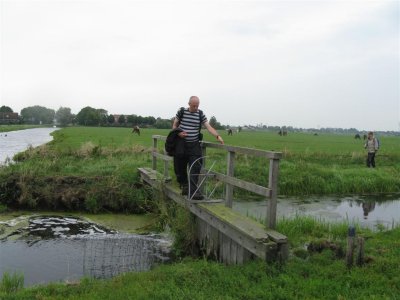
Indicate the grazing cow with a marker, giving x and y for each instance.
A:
(357, 137)
(230, 132)
(282, 132)
(136, 129)
(365, 137)
(315, 134)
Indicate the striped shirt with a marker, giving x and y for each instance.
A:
(190, 123)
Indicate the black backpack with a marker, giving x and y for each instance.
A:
(170, 143)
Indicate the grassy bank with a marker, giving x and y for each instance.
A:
(317, 273)
(95, 169)
(12, 127)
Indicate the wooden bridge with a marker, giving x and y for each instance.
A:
(222, 232)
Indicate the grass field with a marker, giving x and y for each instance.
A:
(108, 158)
(323, 164)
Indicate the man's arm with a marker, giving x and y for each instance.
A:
(213, 132)
(175, 124)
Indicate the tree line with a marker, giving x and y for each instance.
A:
(89, 116)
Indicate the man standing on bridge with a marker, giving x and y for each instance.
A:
(189, 121)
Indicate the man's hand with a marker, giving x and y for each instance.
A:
(182, 134)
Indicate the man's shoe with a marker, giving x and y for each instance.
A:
(185, 190)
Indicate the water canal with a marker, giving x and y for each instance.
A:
(65, 248)
(370, 211)
(13, 142)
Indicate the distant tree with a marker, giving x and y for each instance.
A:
(121, 119)
(214, 123)
(149, 120)
(64, 116)
(139, 120)
(131, 119)
(110, 119)
(163, 123)
(6, 109)
(103, 116)
(89, 116)
(37, 115)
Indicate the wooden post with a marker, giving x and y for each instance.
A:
(154, 150)
(350, 246)
(166, 171)
(229, 172)
(273, 185)
(360, 252)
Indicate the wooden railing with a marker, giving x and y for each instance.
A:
(228, 179)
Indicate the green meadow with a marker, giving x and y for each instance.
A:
(95, 170)
(101, 166)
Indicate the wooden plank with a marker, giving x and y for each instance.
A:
(239, 255)
(149, 174)
(159, 137)
(257, 246)
(162, 156)
(226, 249)
(229, 173)
(243, 150)
(233, 254)
(154, 150)
(213, 235)
(273, 185)
(242, 223)
(252, 187)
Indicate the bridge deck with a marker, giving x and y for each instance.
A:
(228, 235)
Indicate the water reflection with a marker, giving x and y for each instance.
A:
(367, 207)
(51, 248)
(368, 211)
(13, 142)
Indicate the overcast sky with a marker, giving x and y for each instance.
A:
(295, 63)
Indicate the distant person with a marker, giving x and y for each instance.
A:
(372, 146)
(188, 121)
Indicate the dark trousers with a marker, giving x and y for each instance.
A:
(371, 160)
(191, 159)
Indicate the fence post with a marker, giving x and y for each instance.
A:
(229, 172)
(273, 186)
(154, 151)
(360, 252)
(350, 246)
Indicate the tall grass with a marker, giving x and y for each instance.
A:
(11, 283)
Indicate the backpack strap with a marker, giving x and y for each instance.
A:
(181, 112)
(200, 118)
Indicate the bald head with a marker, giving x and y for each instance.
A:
(194, 103)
